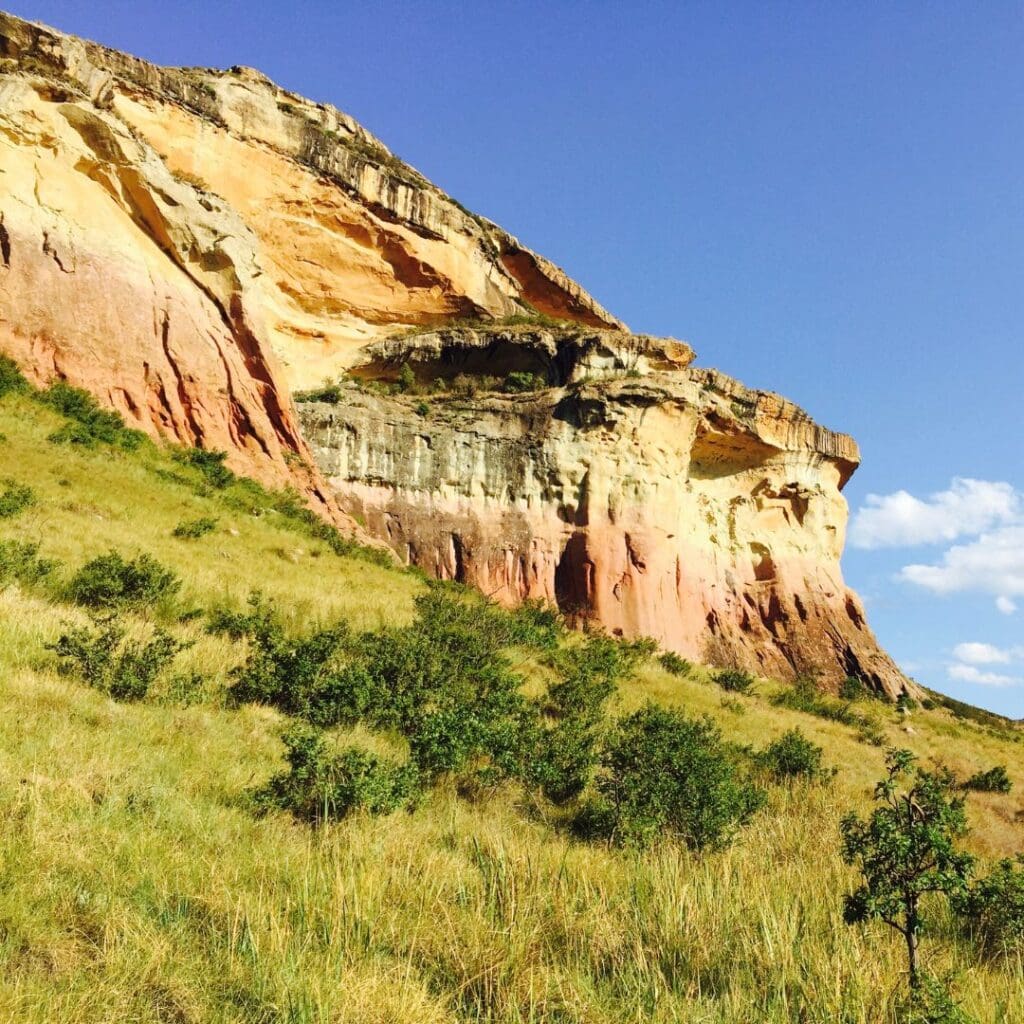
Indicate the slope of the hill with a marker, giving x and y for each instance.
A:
(137, 884)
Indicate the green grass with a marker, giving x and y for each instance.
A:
(137, 883)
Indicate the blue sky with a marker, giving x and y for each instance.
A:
(824, 199)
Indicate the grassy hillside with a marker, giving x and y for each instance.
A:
(138, 882)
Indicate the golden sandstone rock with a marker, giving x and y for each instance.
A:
(190, 245)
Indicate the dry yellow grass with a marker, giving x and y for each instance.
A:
(136, 885)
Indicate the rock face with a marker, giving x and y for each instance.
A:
(191, 244)
(657, 499)
(188, 243)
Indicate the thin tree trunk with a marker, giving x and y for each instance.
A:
(911, 936)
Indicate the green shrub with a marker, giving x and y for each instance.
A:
(192, 529)
(518, 382)
(674, 664)
(805, 696)
(567, 751)
(15, 498)
(11, 379)
(793, 756)
(422, 409)
(603, 656)
(321, 784)
(109, 581)
(734, 680)
(329, 393)
(20, 563)
(904, 702)
(535, 624)
(106, 660)
(297, 675)
(446, 685)
(931, 1003)
(667, 775)
(993, 908)
(995, 780)
(210, 464)
(406, 378)
(442, 682)
(88, 424)
(852, 688)
(184, 689)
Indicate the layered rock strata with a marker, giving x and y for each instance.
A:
(189, 243)
(658, 499)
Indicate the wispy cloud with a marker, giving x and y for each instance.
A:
(992, 564)
(966, 509)
(973, 674)
(973, 657)
(990, 512)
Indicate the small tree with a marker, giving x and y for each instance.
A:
(906, 850)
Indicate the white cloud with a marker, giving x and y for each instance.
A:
(970, 655)
(992, 564)
(973, 674)
(1006, 605)
(968, 508)
(981, 654)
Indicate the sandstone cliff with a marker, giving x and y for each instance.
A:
(187, 243)
(193, 244)
(660, 500)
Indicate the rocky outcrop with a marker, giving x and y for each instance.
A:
(658, 499)
(192, 244)
(187, 243)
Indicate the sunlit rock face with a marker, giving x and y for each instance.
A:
(658, 499)
(190, 245)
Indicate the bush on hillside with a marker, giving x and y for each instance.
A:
(406, 379)
(734, 680)
(993, 908)
(852, 688)
(536, 624)
(674, 664)
(104, 658)
(20, 563)
(329, 393)
(88, 424)
(321, 784)
(298, 675)
(793, 756)
(805, 696)
(192, 529)
(931, 1003)
(15, 498)
(109, 581)
(567, 750)
(210, 464)
(995, 780)
(665, 775)
(11, 378)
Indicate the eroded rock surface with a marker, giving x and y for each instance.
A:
(666, 502)
(187, 243)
